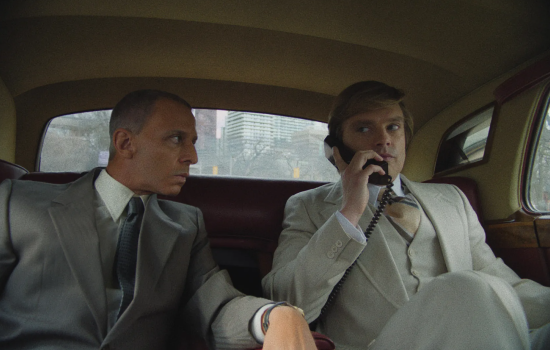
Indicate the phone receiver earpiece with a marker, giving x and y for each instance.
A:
(347, 154)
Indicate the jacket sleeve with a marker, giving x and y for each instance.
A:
(310, 258)
(7, 255)
(213, 307)
(534, 297)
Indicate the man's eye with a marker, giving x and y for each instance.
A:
(394, 127)
(363, 129)
(176, 139)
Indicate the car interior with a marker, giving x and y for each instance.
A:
(467, 67)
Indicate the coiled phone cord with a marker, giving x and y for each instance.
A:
(385, 200)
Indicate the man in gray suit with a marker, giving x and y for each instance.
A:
(425, 279)
(60, 266)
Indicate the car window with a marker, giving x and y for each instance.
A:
(76, 142)
(465, 142)
(230, 143)
(538, 185)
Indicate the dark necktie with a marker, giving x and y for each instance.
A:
(126, 255)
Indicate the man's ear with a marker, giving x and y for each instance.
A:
(124, 142)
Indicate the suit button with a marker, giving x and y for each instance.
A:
(414, 272)
(338, 243)
(334, 249)
(330, 255)
(410, 253)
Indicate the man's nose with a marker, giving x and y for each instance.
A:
(383, 138)
(189, 154)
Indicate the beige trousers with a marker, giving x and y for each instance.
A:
(462, 310)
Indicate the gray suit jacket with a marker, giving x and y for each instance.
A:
(314, 252)
(52, 293)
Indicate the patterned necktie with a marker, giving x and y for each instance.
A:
(126, 255)
(403, 211)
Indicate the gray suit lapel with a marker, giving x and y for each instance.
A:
(447, 222)
(73, 217)
(157, 238)
(376, 261)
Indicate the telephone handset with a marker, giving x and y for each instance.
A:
(375, 178)
(347, 154)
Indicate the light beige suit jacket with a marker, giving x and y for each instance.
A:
(52, 293)
(314, 252)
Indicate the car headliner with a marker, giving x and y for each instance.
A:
(286, 57)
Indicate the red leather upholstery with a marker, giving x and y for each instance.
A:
(466, 185)
(241, 213)
(11, 171)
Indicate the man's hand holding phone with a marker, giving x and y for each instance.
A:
(354, 181)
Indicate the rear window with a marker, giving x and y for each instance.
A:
(76, 142)
(465, 142)
(230, 143)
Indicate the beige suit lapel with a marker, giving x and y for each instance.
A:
(376, 261)
(447, 221)
(73, 216)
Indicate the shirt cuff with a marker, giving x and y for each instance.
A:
(353, 232)
(256, 324)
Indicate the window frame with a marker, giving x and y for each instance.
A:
(488, 144)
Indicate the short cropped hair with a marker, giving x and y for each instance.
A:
(366, 96)
(132, 111)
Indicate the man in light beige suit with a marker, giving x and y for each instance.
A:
(431, 285)
(58, 280)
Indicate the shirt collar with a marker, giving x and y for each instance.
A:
(114, 194)
(374, 190)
